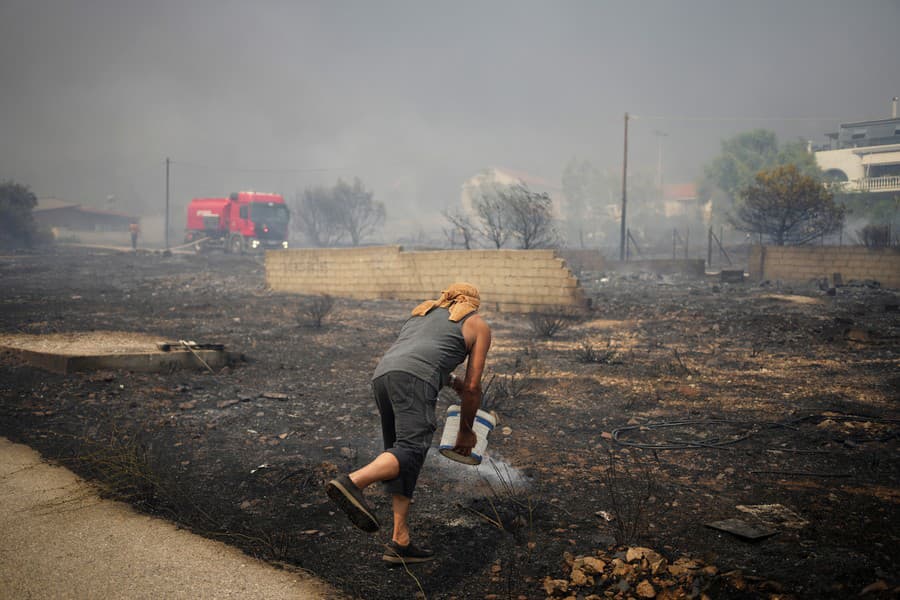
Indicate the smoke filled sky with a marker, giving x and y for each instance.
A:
(414, 97)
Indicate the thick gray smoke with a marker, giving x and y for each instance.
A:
(414, 98)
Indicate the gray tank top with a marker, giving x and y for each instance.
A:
(428, 347)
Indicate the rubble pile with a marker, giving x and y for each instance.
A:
(642, 573)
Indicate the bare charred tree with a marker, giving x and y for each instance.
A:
(329, 215)
(316, 216)
(493, 215)
(529, 216)
(461, 223)
(359, 214)
(788, 207)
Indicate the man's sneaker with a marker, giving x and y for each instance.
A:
(396, 554)
(349, 499)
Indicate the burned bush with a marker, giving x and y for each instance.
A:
(586, 353)
(314, 309)
(548, 322)
(501, 388)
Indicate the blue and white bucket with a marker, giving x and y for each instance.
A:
(483, 425)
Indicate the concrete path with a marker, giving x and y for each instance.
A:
(58, 539)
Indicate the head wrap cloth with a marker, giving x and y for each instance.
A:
(460, 298)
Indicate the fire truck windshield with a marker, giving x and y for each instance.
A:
(269, 212)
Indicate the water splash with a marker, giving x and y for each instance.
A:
(493, 470)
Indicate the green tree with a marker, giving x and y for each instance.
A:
(788, 207)
(745, 155)
(17, 226)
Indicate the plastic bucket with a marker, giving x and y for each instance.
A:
(484, 424)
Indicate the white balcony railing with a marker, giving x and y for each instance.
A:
(890, 183)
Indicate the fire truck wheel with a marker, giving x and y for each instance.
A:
(237, 245)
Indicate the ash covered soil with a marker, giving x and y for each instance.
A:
(672, 404)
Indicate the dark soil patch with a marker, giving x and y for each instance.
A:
(785, 397)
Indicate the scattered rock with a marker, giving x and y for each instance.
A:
(645, 590)
(579, 578)
(555, 586)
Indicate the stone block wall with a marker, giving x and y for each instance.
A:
(802, 263)
(509, 280)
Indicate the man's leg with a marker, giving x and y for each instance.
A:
(384, 467)
(401, 527)
(400, 550)
(346, 490)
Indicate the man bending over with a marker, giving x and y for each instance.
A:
(438, 336)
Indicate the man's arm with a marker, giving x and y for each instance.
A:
(469, 389)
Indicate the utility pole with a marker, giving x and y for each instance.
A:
(167, 203)
(624, 194)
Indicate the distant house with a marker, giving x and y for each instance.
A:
(56, 214)
(679, 199)
(863, 156)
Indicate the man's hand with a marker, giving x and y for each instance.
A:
(465, 441)
(455, 383)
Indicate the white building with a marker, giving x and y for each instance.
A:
(863, 156)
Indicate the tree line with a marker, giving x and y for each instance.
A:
(773, 192)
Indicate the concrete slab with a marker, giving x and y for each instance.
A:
(99, 350)
(59, 539)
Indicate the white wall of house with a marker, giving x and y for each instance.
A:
(858, 167)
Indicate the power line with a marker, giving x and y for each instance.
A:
(689, 118)
(257, 170)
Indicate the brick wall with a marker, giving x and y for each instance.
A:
(509, 280)
(802, 263)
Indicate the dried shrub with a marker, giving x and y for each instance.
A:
(548, 322)
(588, 354)
(120, 466)
(632, 493)
(314, 309)
(501, 388)
(508, 506)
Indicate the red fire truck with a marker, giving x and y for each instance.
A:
(242, 222)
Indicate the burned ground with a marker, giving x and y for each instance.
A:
(673, 404)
